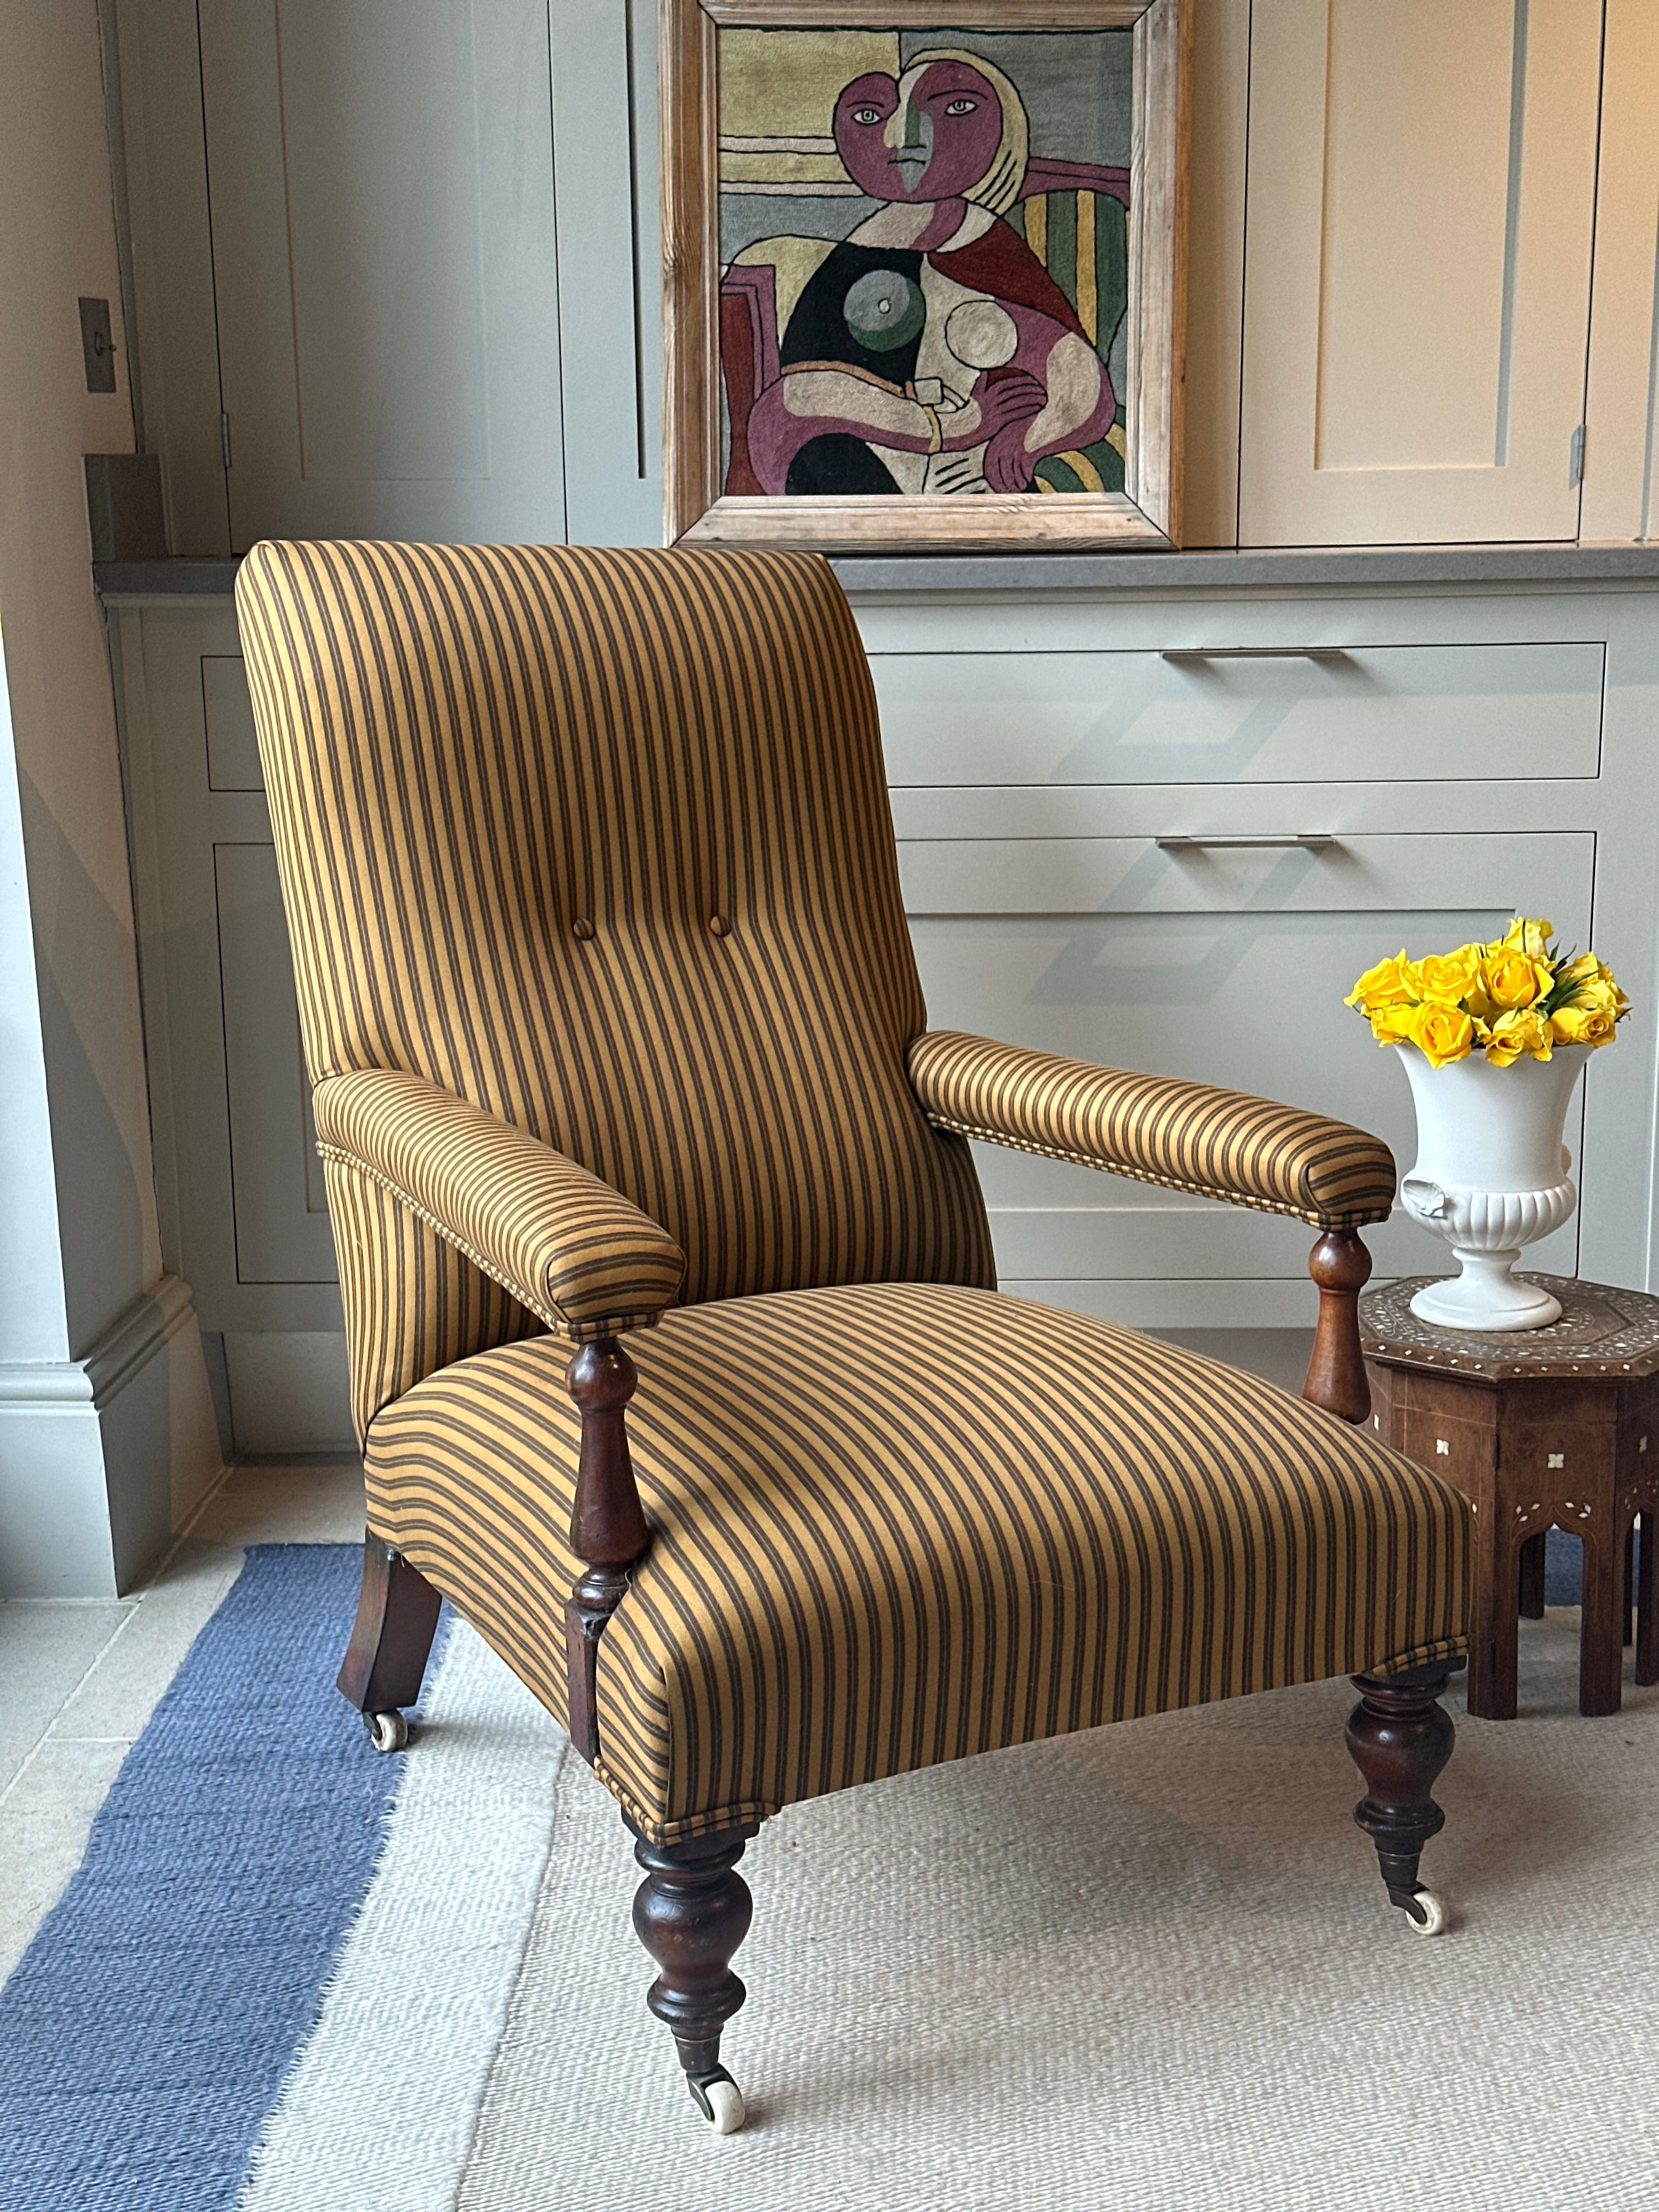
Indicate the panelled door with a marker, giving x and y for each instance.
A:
(239, 1187)
(1421, 206)
(380, 180)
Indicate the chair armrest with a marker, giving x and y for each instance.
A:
(1155, 1128)
(578, 1254)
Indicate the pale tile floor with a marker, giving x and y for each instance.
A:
(81, 1677)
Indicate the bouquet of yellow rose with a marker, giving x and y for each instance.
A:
(1518, 995)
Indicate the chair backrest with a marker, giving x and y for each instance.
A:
(599, 841)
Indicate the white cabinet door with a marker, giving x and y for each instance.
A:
(381, 180)
(1621, 403)
(605, 131)
(240, 1187)
(279, 1203)
(1226, 967)
(1421, 203)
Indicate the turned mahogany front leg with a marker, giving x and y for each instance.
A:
(691, 1912)
(391, 1638)
(1400, 1737)
(608, 1528)
(1342, 1266)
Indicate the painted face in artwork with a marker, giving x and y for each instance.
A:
(931, 135)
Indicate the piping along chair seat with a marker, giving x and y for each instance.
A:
(675, 1341)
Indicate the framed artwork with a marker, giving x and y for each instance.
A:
(924, 272)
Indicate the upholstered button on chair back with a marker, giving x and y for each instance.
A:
(601, 843)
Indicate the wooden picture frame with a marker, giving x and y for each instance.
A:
(700, 510)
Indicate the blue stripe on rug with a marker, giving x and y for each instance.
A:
(147, 2031)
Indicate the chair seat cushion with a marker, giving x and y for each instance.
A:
(897, 1523)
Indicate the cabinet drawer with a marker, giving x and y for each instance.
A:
(1355, 714)
(1411, 874)
(1228, 968)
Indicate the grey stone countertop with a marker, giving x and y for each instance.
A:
(1091, 574)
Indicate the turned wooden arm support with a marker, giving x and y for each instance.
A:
(1342, 1266)
(608, 1528)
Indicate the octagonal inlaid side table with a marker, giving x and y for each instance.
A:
(1541, 1429)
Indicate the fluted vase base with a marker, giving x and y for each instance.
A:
(1486, 1295)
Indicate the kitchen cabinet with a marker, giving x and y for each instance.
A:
(1420, 220)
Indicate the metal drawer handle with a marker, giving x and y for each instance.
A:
(1255, 652)
(1313, 841)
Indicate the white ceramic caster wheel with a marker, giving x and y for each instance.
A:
(1433, 1912)
(720, 2101)
(387, 1731)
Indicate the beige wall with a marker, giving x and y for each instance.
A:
(57, 243)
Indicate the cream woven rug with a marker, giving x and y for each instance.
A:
(1145, 1969)
(1149, 1968)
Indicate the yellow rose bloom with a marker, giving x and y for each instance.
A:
(1519, 1030)
(1604, 991)
(1506, 999)
(1594, 988)
(1441, 1033)
(1510, 978)
(1393, 1025)
(1392, 982)
(1526, 934)
(1450, 977)
(1582, 1024)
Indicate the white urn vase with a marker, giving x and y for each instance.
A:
(1490, 1176)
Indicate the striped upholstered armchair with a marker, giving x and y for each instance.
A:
(676, 1345)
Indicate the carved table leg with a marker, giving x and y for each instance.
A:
(391, 1640)
(1533, 1564)
(1647, 1607)
(1400, 1737)
(1600, 1636)
(1494, 1642)
(691, 1912)
(1626, 1620)
(1342, 1266)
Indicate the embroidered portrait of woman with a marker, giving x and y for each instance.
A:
(941, 309)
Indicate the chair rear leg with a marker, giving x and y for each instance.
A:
(391, 1640)
(1400, 1737)
(691, 1912)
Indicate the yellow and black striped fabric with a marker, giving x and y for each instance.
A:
(605, 986)
(1156, 1128)
(599, 842)
(894, 1524)
(569, 1248)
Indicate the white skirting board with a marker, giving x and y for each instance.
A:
(103, 1456)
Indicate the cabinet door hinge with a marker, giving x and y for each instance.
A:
(224, 439)
(1576, 458)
